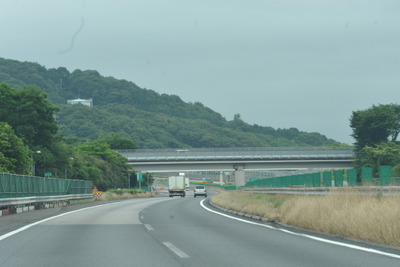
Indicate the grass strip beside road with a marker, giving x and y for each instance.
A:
(122, 194)
(348, 214)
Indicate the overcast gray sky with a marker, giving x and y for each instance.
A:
(294, 63)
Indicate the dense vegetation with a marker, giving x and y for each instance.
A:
(376, 131)
(30, 143)
(149, 119)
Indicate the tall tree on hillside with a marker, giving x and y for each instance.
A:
(375, 125)
(29, 113)
(14, 155)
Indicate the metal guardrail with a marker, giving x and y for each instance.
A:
(22, 201)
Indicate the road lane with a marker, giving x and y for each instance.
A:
(213, 240)
(168, 232)
(107, 235)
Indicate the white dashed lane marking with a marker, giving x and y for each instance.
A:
(148, 226)
(176, 250)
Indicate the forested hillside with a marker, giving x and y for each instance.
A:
(150, 119)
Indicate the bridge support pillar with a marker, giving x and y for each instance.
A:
(221, 178)
(239, 175)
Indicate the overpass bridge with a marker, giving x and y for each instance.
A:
(238, 159)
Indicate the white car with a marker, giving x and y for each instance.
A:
(200, 190)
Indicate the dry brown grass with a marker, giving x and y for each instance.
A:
(348, 214)
(256, 204)
(107, 196)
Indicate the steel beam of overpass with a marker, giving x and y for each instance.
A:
(167, 166)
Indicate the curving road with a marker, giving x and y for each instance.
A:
(172, 232)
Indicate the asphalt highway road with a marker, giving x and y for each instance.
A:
(175, 231)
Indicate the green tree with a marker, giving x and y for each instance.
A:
(14, 155)
(54, 159)
(29, 114)
(396, 171)
(114, 166)
(385, 153)
(375, 125)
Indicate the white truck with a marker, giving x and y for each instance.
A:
(176, 186)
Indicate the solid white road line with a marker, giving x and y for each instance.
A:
(176, 250)
(306, 236)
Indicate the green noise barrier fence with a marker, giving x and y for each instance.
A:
(337, 178)
(13, 186)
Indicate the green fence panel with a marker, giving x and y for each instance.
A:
(338, 174)
(17, 183)
(68, 185)
(38, 186)
(285, 181)
(46, 186)
(316, 179)
(266, 182)
(366, 176)
(278, 182)
(293, 180)
(309, 181)
(327, 177)
(42, 186)
(13, 185)
(385, 174)
(3, 185)
(269, 182)
(301, 180)
(274, 182)
(24, 184)
(352, 177)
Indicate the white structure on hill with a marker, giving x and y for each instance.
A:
(86, 102)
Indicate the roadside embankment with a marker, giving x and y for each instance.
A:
(373, 218)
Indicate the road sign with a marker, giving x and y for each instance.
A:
(139, 177)
(48, 174)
